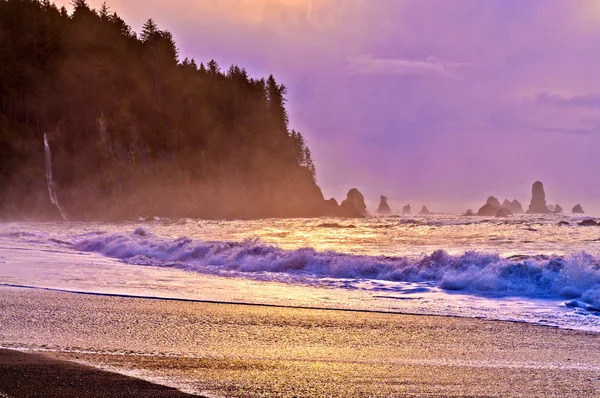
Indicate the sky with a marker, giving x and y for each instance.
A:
(430, 102)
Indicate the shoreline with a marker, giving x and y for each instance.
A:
(281, 306)
(240, 350)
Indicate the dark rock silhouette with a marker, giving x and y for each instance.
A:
(424, 211)
(538, 199)
(469, 212)
(490, 208)
(514, 206)
(354, 205)
(558, 209)
(406, 209)
(384, 208)
(331, 206)
(503, 212)
(487, 210)
(335, 225)
(588, 223)
(563, 224)
(492, 201)
(578, 209)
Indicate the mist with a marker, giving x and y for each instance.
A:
(441, 102)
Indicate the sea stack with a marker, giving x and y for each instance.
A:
(469, 213)
(354, 204)
(503, 212)
(384, 208)
(558, 209)
(406, 209)
(424, 211)
(578, 209)
(490, 208)
(514, 206)
(538, 199)
(332, 208)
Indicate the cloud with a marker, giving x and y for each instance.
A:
(369, 65)
(579, 101)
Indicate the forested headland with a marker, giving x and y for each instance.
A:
(135, 130)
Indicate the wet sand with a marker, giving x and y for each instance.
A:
(241, 351)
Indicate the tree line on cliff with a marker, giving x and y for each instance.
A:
(133, 129)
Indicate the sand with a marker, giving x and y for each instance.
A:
(32, 375)
(241, 351)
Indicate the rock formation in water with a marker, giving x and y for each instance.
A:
(384, 208)
(514, 206)
(490, 208)
(588, 223)
(332, 207)
(503, 212)
(563, 224)
(487, 210)
(424, 211)
(538, 199)
(558, 209)
(469, 212)
(354, 204)
(550, 208)
(406, 209)
(492, 201)
(578, 209)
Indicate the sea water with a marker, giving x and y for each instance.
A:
(524, 268)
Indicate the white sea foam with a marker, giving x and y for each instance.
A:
(575, 276)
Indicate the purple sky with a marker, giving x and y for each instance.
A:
(437, 102)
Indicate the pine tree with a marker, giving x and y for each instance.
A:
(81, 9)
(213, 68)
(276, 100)
(149, 31)
(161, 124)
(104, 11)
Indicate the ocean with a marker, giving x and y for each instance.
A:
(524, 268)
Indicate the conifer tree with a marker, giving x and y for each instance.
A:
(91, 82)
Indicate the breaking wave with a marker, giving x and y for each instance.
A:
(576, 276)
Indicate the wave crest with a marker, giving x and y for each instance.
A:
(574, 276)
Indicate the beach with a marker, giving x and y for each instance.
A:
(240, 350)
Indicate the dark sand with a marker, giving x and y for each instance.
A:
(31, 375)
(241, 351)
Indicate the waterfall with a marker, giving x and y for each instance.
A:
(51, 188)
